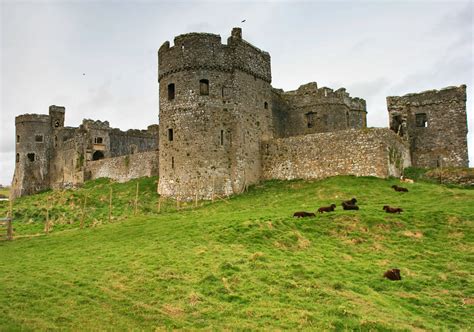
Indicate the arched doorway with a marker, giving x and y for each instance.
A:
(98, 155)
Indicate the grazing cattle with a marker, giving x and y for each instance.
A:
(400, 189)
(389, 209)
(350, 202)
(327, 208)
(393, 274)
(302, 214)
(347, 206)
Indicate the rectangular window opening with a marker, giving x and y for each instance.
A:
(421, 120)
(39, 138)
(17, 157)
(170, 134)
(171, 91)
(222, 137)
(310, 119)
(98, 140)
(18, 138)
(172, 162)
(204, 87)
(31, 156)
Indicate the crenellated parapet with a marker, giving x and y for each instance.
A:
(204, 51)
(324, 95)
(311, 109)
(40, 118)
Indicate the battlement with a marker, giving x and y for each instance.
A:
(40, 118)
(133, 133)
(54, 108)
(204, 51)
(95, 124)
(428, 97)
(323, 95)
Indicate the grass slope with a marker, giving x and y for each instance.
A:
(245, 264)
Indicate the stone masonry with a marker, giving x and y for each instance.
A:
(434, 124)
(49, 155)
(224, 127)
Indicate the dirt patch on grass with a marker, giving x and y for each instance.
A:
(194, 299)
(416, 235)
(172, 311)
(468, 301)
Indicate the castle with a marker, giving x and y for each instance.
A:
(224, 127)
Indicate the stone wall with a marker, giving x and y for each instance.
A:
(310, 110)
(435, 125)
(368, 152)
(460, 176)
(124, 168)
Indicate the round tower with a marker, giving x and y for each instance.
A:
(214, 111)
(32, 155)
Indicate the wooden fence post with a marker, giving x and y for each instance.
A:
(136, 200)
(110, 205)
(10, 222)
(83, 211)
(212, 190)
(46, 225)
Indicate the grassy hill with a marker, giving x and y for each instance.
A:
(244, 263)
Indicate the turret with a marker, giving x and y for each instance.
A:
(215, 103)
(33, 151)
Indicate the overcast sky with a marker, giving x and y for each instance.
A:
(374, 49)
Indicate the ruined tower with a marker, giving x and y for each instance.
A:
(33, 150)
(435, 125)
(215, 108)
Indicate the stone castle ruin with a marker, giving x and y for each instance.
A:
(224, 127)
(50, 155)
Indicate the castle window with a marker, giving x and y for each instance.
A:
(56, 123)
(265, 105)
(31, 156)
(18, 138)
(172, 162)
(222, 137)
(55, 141)
(170, 134)
(98, 140)
(98, 155)
(421, 120)
(310, 117)
(17, 157)
(39, 138)
(204, 87)
(171, 91)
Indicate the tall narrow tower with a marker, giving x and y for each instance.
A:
(214, 111)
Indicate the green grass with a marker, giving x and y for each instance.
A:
(4, 192)
(244, 264)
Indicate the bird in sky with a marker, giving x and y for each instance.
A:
(243, 21)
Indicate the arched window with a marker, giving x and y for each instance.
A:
(98, 155)
(265, 105)
(17, 157)
(171, 91)
(204, 87)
